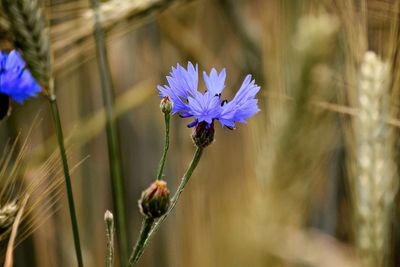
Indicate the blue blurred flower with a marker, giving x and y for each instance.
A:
(15, 80)
(188, 101)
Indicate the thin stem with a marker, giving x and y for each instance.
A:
(112, 138)
(57, 122)
(109, 220)
(144, 233)
(148, 222)
(167, 117)
(138, 251)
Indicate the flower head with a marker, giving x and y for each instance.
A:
(15, 80)
(206, 107)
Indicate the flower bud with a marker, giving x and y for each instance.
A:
(166, 105)
(108, 216)
(203, 134)
(155, 200)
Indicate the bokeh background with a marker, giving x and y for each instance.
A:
(273, 192)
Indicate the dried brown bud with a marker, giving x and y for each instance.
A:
(155, 200)
(203, 134)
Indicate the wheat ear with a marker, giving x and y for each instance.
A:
(31, 37)
(374, 183)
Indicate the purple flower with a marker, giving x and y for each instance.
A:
(15, 80)
(206, 107)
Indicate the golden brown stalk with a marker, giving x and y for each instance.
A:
(9, 262)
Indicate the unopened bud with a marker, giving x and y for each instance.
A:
(155, 200)
(108, 216)
(203, 134)
(166, 105)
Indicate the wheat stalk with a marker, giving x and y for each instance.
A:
(374, 170)
(9, 261)
(28, 28)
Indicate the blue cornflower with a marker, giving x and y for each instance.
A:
(206, 107)
(15, 80)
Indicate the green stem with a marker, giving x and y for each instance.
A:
(138, 251)
(112, 138)
(60, 138)
(148, 222)
(167, 117)
(144, 233)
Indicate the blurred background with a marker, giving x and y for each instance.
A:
(277, 191)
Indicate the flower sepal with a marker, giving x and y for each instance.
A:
(203, 134)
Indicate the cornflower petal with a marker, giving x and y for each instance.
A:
(15, 80)
(204, 107)
(14, 61)
(181, 84)
(215, 82)
(184, 82)
(242, 106)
